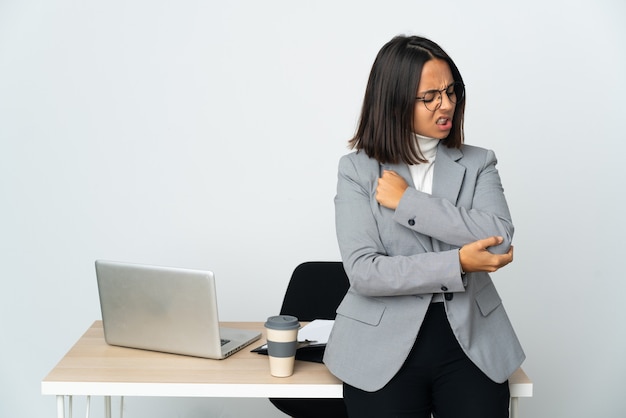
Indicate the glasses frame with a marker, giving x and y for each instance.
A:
(439, 99)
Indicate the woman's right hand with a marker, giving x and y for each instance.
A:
(475, 256)
(391, 187)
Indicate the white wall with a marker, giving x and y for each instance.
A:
(206, 134)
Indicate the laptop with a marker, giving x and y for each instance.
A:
(165, 309)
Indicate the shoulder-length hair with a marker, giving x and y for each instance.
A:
(385, 127)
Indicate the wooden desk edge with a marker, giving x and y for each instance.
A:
(520, 385)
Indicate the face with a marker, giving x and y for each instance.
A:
(436, 76)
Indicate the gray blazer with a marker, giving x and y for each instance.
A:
(397, 260)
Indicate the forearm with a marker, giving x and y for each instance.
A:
(374, 272)
(456, 226)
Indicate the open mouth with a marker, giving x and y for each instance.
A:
(444, 124)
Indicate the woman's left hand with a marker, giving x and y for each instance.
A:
(391, 187)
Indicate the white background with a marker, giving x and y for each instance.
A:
(206, 134)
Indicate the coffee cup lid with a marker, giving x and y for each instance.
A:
(282, 322)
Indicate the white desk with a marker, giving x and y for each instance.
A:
(94, 368)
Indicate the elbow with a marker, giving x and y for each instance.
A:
(363, 276)
(507, 230)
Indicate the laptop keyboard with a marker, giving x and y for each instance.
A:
(224, 341)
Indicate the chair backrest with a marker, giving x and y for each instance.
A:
(315, 290)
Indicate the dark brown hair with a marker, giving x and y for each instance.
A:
(386, 124)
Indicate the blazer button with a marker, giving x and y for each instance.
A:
(444, 289)
(411, 222)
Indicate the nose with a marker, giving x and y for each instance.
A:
(446, 103)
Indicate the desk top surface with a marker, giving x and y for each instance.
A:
(93, 367)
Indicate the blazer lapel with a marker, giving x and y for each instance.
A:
(447, 181)
(401, 169)
(448, 174)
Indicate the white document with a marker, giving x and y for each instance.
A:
(316, 332)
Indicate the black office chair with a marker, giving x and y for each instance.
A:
(314, 292)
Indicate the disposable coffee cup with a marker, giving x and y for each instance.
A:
(282, 341)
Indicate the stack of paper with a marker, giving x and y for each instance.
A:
(316, 332)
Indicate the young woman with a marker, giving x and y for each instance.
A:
(421, 220)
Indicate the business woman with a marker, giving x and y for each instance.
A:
(421, 220)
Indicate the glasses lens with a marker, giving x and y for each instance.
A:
(456, 92)
(431, 100)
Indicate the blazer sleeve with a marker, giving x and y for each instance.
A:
(481, 210)
(373, 272)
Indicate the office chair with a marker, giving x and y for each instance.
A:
(314, 292)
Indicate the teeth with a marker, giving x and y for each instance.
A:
(441, 121)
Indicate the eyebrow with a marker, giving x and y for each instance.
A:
(436, 90)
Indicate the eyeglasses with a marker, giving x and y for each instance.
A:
(432, 101)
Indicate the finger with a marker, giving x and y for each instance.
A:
(506, 258)
(378, 193)
(499, 262)
(491, 241)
